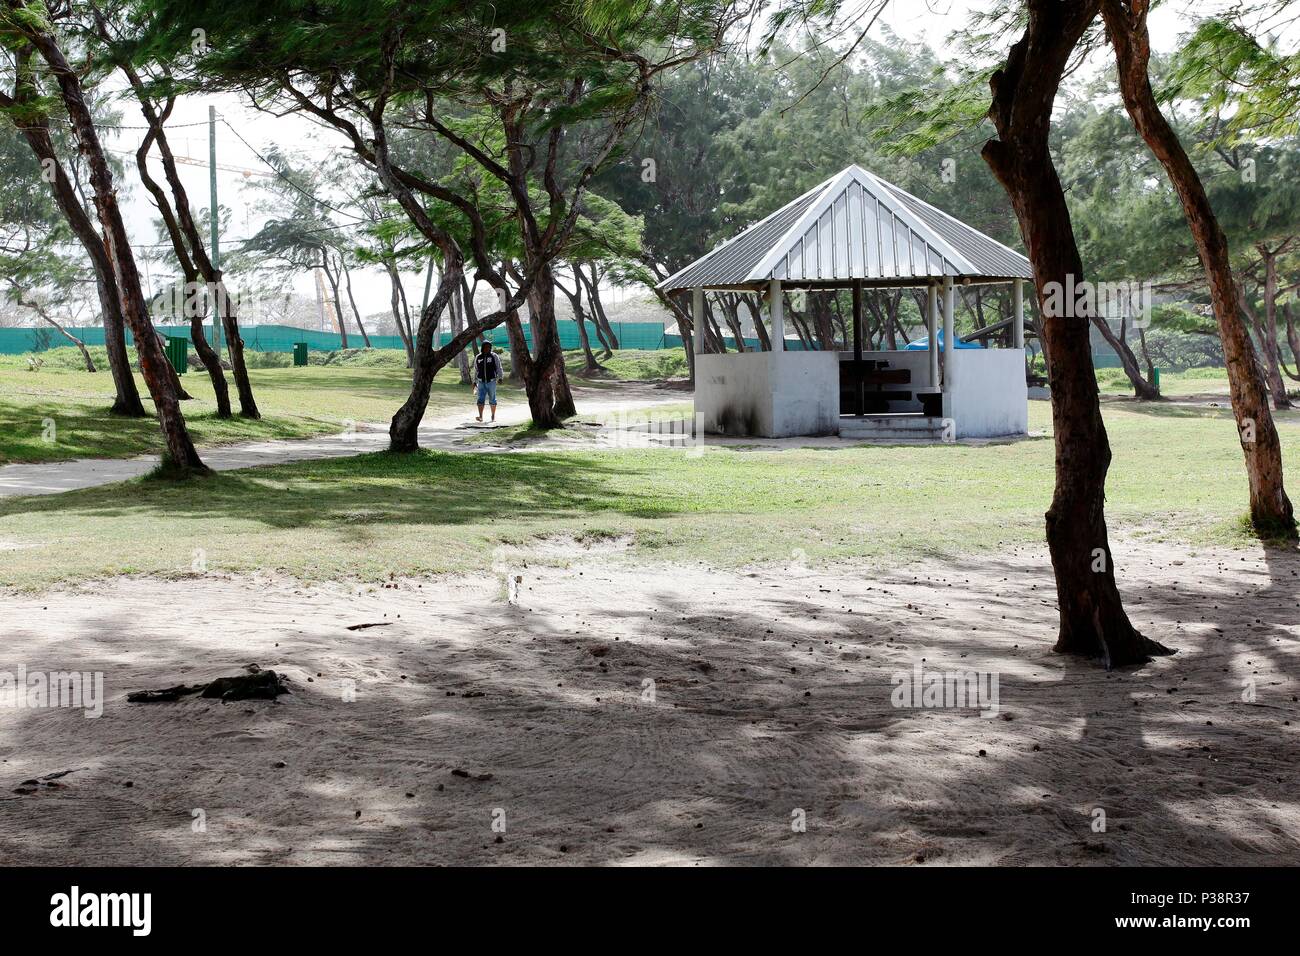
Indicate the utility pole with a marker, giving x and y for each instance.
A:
(212, 217)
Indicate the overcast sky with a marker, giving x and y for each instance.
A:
(928, 20)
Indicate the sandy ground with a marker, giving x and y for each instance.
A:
(438, 432)
(771, 702)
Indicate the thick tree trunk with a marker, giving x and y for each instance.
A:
(403, 432)
(1092, 618)
(553, 401)
(1271, 511)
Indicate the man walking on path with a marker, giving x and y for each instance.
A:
(487, 372)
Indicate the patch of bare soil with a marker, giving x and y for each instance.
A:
(612, 711)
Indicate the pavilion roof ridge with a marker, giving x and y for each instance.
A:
(854, 226)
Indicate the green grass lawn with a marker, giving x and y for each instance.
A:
(1173, 385)
(295, 403)
(1176, 474)
(633, 365)
(358, 386)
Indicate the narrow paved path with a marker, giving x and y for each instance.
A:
(441, 432)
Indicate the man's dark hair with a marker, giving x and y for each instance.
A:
(487, 347)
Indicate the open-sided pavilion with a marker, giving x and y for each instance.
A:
(856, 231)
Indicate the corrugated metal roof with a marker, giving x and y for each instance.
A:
(853, 226)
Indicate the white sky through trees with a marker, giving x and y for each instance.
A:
(929, 21)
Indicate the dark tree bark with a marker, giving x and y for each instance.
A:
(333, 280)
(403, 432)
(1292, 338)
(180, 457)
(1142, 389)
(37, 134)
(32, 303)
(187, 241)
(395, 303)
(751, 304)
(608, 334)
(1092, 618)
(211, 363)
(574, 296)
(1267, 334)
(356, 313)
(1271, 511)
(731, 312)
(207, 355)
(471, 318)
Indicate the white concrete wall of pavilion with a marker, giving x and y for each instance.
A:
(782, 393)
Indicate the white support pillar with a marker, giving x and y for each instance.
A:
(776, 304)
(932, 330)
(1018, 314)
(697, 319)
(949, 315)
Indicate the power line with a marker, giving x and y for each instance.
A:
(288, 180)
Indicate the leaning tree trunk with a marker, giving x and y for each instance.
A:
(1142, 389)
(51, 320)
(1271, 511)
(470, 317)
(180, 458)
(1292, 338)
(212, 363)
(580, 319)
(1268, 330)
(604, 331)
(549, 398)
(127, 400)
(356, 313)
(395, 303)
(403, 432)
(1092, 618)
(188, 244)
(337, 303)
(172, 223)
(519, 354)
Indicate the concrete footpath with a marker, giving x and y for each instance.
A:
(441, 433)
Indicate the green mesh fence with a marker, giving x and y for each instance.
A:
(282, 338)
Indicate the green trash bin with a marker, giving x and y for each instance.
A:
(1156, 377)
(178, 348)
(299, 353)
